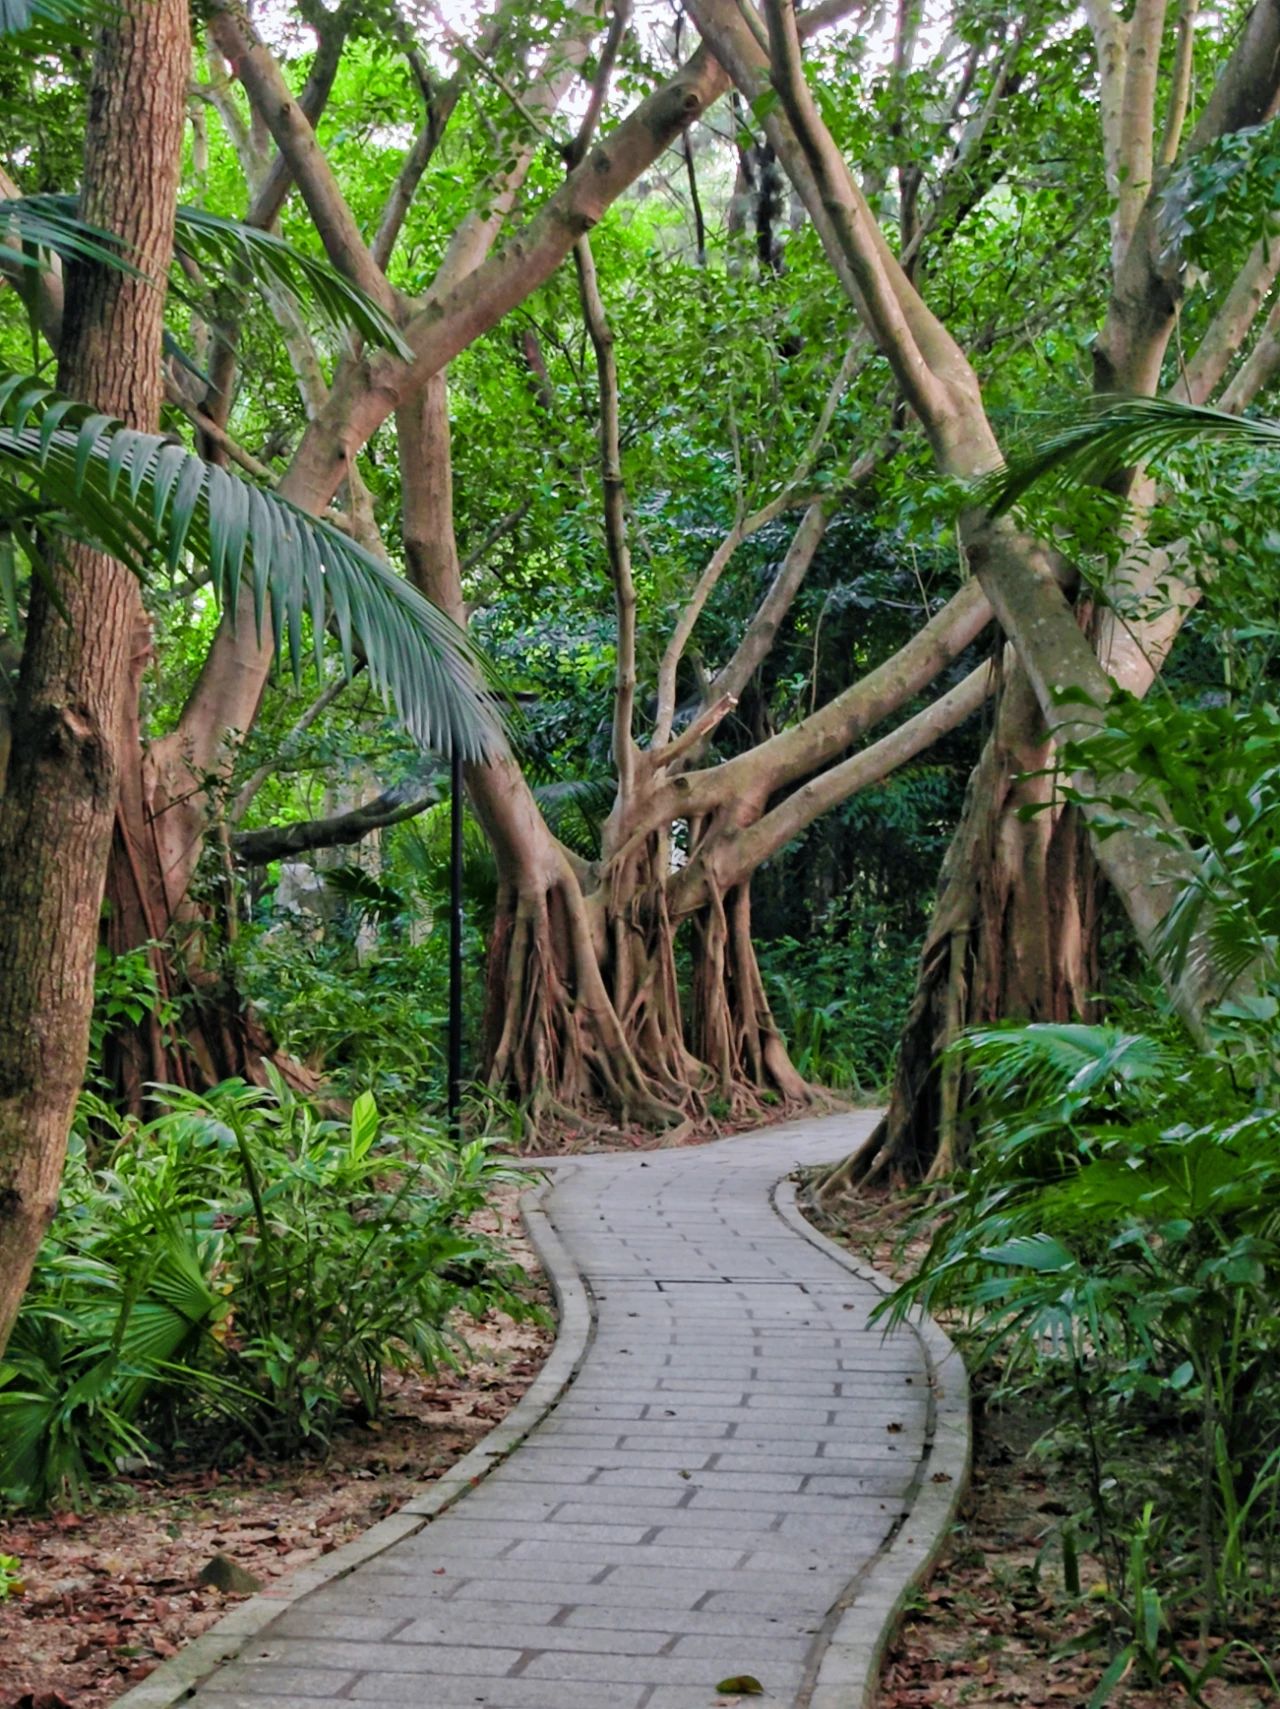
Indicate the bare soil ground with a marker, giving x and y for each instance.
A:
(110, 1592)
(988, 1629)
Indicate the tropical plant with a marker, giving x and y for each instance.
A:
(1085, 448)
(239, 1263)
(135, 494)
(49, 225)
(1115, 1241)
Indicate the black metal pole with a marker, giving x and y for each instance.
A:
(454, 1092)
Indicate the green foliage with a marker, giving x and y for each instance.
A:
(1116, 1239)
(49, 224)
(125, 992)
(19, 16)
(11, 1582)
(376, 1020)
(239, 1263)
(839, 996)
(138, 493)
(1111, 434)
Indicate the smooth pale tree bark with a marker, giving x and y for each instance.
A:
(80, 671)
(1017, 898)
(941, 387)
(167, 810)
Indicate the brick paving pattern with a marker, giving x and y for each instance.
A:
(737, 1446)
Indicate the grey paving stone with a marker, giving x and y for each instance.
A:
(492, 1694)
(430, 1659)
(269, 1683)
(448, 1625)
(718, 1472)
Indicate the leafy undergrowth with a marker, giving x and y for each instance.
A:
(990, 1627)
(109, 1592)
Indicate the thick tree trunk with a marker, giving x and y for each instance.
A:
(583, 1014)
(79, 671)
(587, 1026)
(1013, 937)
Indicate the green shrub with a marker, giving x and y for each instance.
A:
(239, 1261)
(1116, 1237)
(840, 996)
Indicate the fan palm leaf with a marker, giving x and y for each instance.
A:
(136, 495)
(1112, 434)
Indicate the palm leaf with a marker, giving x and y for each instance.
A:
(1112, 434)
(1016, 1066)
(75, 16)
(50, 224)
(224, 243)
(138, 494)
(575, 809)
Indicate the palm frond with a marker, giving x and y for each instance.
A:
(1025, 1064)
(575, 809)
(139, 494)
(223, 243)
(50, 224)
(76, 16)
(1112, 434)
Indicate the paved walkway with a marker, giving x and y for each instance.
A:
(735, 1450)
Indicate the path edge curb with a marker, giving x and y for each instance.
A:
(850, 1663)
(176, 1679)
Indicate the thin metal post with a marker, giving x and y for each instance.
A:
(454, 1093)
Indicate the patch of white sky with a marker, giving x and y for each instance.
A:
(442, 28)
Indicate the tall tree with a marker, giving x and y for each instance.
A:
(86, 638)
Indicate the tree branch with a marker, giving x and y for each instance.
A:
(752, 847)
(254, 782)
(462, 309)
(1179, 84)
(278, 842)
(1230, 326)
(1259, 367)
(271, 97)
(49, 285)
(331, 37)
(762, 630)
(1137, 120)
(692, 736)
(615, 523)
(743, 528)
(1147, 286)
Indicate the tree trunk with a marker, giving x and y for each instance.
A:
(734, 1031)
(587, 1027)
(205, 1030)
(1013, 938)
(77, 675)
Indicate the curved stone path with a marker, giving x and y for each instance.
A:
(710, 1497)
